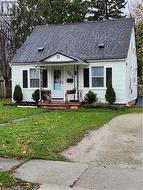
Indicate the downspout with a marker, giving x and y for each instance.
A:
(77, 82)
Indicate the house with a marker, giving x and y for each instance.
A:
(82, 56)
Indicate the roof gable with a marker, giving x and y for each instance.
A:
(58, 57)
(78, 40)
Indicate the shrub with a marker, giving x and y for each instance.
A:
(17, 95)
(35, 95)
(90, 97)
(110, 94)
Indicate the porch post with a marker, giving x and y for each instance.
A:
(74, 80)
(40, 84)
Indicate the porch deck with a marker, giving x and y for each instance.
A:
(59, 104)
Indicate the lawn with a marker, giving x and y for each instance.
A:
(45, 135)
(9, 113)
(8, 181)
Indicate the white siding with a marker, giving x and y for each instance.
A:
(118, 80)
(131, 72)
(17, 78)
(58, 58)
(118, 75)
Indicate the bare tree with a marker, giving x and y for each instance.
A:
(6, 48)
(138, 15)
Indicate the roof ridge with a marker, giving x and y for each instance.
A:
(84, 22)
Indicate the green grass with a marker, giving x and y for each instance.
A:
(44, 136)
(8, 181)
(46, 133)
(9, 113)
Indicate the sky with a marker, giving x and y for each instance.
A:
(131, 3)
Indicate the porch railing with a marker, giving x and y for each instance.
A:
(73, 92)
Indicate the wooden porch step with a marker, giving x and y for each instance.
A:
(57, 102)
(59, 105)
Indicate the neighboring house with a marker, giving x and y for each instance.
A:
(83, 56)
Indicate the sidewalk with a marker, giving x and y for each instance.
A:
(75, 176)
(66, 176)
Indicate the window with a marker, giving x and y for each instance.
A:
(44, 81)
(97, 76)
(108, 75)
(86, 77)
(34, 78)
(25, 79)
(57, 80)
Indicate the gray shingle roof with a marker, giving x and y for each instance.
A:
(78, 40)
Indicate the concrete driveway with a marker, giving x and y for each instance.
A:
(119, 143)
(110, 158)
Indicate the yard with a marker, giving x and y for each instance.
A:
(9, 113)
(45, 134)
(8, 181)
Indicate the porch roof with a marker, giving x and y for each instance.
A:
(62, 59)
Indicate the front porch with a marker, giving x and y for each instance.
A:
(60, 82)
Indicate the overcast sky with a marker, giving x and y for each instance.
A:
(131, 3)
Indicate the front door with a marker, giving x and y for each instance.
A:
(57, 83)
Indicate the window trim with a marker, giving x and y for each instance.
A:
(34, 88)
(104, 79)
